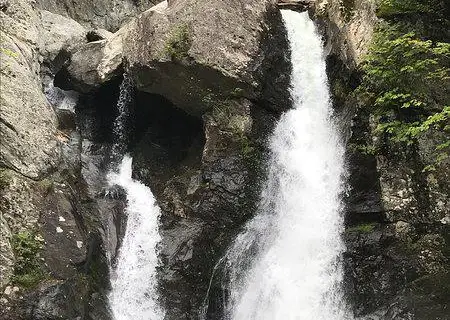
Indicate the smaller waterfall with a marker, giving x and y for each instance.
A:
(133, 293)
(121, 123)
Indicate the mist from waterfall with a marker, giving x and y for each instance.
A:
(133, 293)
(286, 263)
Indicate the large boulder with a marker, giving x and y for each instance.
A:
(105, 14)
(191, 50)
(93, 64)
(59, 34)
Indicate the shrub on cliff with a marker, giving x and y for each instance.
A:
(407, 79)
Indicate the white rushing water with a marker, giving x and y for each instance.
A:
(133, 293)
(133, 286)
(286, 263)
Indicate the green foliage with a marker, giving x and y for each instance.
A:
(363, 149)
(388, 8)
(4, 64)
(179, 43)
(362, 228)
(8, 52)
(406, 80)
(237, 92)
(47, 185)
(27, 268)
(247, 148)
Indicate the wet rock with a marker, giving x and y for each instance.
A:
(62, 252)
(204, 182)
(296, 5)
(66, 119)
(55, 301)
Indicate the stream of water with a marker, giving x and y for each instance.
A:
(133, 293)
(286, 263)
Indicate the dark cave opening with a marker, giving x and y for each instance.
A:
(164, 138)
(159, 133)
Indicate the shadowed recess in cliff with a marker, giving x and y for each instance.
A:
(286, 264)
(166, 139)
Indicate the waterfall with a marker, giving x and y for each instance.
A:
(286, 263)
(133, 293)
(121, 123)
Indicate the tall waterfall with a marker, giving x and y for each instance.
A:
(286, 263)
(133, 283)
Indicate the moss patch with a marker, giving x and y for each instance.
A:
(347, 8)
(362, 228)
(178, 43)
(28, 271)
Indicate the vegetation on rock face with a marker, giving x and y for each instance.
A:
(179, 42)
(406, 74)
(27, 268)
(362, 228)
(388, 8)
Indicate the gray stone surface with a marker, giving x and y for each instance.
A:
(191, 49)
(28, 123)
(107, 14)
(59, 33)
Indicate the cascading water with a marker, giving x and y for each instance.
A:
(121, 123)
(133, 293)
(286, 263)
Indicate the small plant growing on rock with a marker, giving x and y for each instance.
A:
(362, 228)
(179, 43)
(27, 268)
(347, 8)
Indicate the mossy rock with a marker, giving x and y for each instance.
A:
(28, 271)
(178, 43)
(362, 228)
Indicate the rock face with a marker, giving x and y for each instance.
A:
(105, 14)
(347, 26)
(28, 124)
(397, 215)
(59, 34)
(53, 240)
(191, 50)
